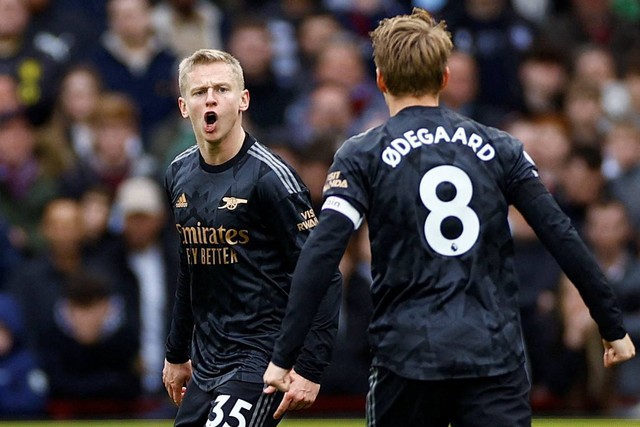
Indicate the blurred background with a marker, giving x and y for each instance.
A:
(89, 123)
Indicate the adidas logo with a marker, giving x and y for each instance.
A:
(182, 201)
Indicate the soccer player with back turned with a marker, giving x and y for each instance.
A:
(242, 216)
(434, 187)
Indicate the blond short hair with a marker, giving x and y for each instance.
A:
(207, 56)
(411, 53)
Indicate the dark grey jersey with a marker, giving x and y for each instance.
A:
(241, 227)
(434, 187)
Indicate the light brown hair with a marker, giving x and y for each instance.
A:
(115, 107)
(207, 56)
(411, 53)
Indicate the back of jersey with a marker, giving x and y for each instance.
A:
(434, 187)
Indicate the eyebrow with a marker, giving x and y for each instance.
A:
(212, 85)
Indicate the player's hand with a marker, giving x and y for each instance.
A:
(276, 378)
(175, 378)
(302, 393)
(618, 351)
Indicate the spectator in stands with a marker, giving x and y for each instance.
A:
(69, 129)
(9, 101)
(9, 250)
(497, 37)
(23, 386)
(591, 21)
(582, 184)
(36, 72)
(342, 62)
(90, 350)
(595, 64)
(95, 206)
(117, 152)
(67, 29)
(340, 66)
(38, 281)
(148, 247)
(313, 34)
(543, 77)
(464, 79)
(361, 17)
(313, 161)
(610, 235)
(132, 60)
(283, 18)
(9, 254)
(27, 178)
(608, 232)
(631, 79)
(547, 141)
(583, 110)
(250, 41)
(622, 145)
(328, 117)
(461, 93)
(539, 274)
(186, 25)
(351, 352)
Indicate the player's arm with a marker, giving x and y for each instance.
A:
(178, 343)
(561, 239)
(177, 369)
(312, 278)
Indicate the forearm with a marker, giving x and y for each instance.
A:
(179, 338)
(314, 275)
(316, 353)
(556, 232)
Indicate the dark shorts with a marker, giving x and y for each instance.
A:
(235, 403)
(500, 401)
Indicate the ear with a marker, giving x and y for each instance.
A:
(182, 105)
(382, 86)
(244, 100)
(445, 77)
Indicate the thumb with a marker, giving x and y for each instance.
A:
(269, 389)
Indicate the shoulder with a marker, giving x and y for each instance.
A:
(362, 142)
(501, 140)
(274, 171)
(188, 156)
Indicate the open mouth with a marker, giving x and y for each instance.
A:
(210, 117)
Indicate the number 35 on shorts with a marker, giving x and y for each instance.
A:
(236, 411)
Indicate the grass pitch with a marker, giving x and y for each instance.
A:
(293, 422)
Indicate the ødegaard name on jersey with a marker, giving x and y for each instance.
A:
(411, 139)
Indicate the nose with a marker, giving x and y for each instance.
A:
(211, 100)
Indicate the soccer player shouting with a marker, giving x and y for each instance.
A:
(434, 187)
(242, 216)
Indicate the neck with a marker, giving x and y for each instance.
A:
(397, 103)
(218, 152)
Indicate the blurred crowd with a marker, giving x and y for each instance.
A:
(89, 122)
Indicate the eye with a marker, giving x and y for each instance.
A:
(223, 89)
